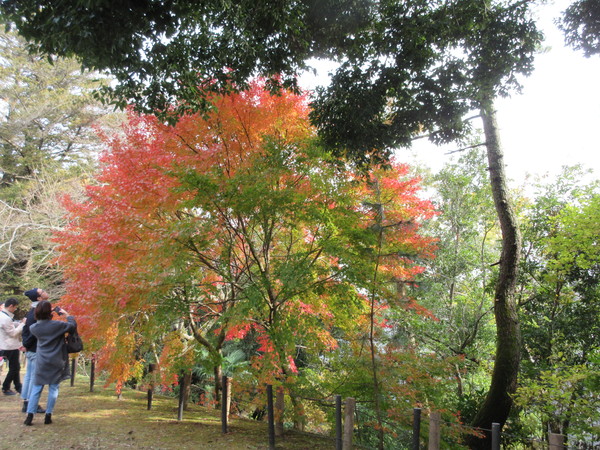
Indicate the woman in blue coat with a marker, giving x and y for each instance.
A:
(52, 360)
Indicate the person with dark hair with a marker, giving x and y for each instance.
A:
(10, 343)
(30, 344)
(52, 359)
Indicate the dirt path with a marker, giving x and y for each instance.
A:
(99, 420)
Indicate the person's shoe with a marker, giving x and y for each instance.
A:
(29, 419)
(24, 408)
(40, 410)
(9, 392)
(48, 419)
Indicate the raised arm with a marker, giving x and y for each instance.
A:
(71, 323)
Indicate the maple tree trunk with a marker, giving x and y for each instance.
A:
(217, 392)
(498, 401)
(187, 378)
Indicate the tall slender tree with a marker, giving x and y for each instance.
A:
(399, 85)
(48, 110)
(47, 144)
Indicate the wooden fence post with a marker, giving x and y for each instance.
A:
(495, 436)
(92, 373)
(338, 422)
(348, 424)
(416, 440)
(224, 411)
(435, 418)
(270, 417)
(181, 397)
(556, 441)
(73, 369)
(152, 373)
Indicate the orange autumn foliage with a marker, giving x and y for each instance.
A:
(175, 218)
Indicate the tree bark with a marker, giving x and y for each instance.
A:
(188, 389)
(498, 402)
(217, 370)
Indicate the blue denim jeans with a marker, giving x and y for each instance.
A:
(34, 397)
(29, 375)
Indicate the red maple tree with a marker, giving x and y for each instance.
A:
(232, 223)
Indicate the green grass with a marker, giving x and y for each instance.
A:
(99, 420)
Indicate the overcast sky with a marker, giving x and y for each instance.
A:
(554, 122)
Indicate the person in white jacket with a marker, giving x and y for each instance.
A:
(10, 344)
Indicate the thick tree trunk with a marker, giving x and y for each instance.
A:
(498, 401)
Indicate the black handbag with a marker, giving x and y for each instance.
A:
(73, 342)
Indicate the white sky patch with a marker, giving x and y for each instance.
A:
(553, 123)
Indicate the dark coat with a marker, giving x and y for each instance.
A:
(29, 340)
(52, 359)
